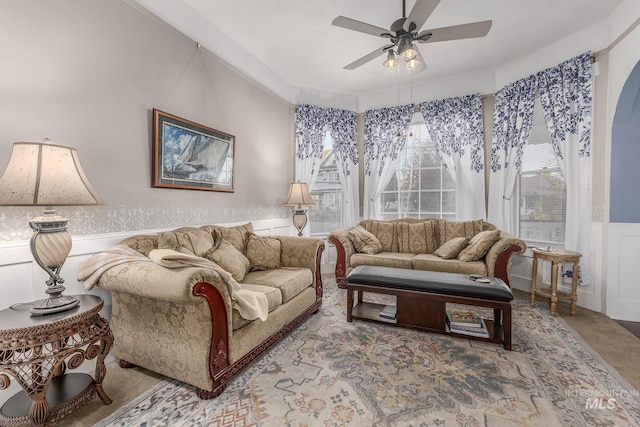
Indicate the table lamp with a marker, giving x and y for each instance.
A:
(45, 174)
(299, 196)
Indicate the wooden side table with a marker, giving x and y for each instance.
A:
(36, 351)
(556, 256)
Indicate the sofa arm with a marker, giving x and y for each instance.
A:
(144, 288)
(344, 250)
(498, 259)
(303, 252)
(150, 280)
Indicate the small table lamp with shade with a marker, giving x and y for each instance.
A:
(298, 197)
(46, 174)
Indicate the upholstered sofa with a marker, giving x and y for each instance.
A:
(468, 247)
(183, 323)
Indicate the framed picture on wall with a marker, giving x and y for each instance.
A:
(191, 156)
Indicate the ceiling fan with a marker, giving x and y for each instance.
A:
(406, 30)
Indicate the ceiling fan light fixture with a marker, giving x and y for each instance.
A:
(410, 52)
(391, 61)
(412, 64)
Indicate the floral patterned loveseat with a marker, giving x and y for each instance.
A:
(181, 322)
(468, 247)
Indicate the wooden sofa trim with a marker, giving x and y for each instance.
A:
(341, 263)
(219, 369)
(503, 262)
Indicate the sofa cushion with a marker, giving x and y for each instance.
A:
(479, 245)
(230, 259)
(263, 252)
(236, 235)
(364, 241)
(431, 262)
(452, 248)
(385, 232)
(290, 280)
(195, 240)
(274, 299)
(416, 238)
(447, 230)
(386, 259)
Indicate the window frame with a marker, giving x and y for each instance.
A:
(443, 178)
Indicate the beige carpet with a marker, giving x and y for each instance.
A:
(617, 346)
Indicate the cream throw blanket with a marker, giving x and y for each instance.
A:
(250, 305)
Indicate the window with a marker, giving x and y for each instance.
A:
(543, 195)
(421, 186)
(326, 216)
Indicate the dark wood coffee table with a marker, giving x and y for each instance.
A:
(421, 298)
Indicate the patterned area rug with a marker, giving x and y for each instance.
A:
(332, 373)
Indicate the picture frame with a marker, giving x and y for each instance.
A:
(191, 156)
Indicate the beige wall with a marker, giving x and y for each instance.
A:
(88, 73)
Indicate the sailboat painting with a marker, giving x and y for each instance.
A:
(191, 156)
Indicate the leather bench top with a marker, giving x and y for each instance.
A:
(453, 284)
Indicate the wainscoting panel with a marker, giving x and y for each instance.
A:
(623, 285)
(23, 280)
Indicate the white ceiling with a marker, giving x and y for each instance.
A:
(295, 41)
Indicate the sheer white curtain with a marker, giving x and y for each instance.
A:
(455, 126)
(385, 133)
(566, 97)
(512, 122)
(344, 134)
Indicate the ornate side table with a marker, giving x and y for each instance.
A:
(556, 256)
(36, 351)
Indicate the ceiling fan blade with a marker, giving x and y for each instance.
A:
(352, 24)
(419, 14)
(370, 57)
(455, 32)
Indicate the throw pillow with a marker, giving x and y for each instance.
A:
(230, 259)
(193, 239)
(452, 248)
(236, 235)
(479, 245)
(263, 252)
(364, 241)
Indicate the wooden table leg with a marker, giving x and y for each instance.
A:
(574, 288)
(506, 326)
(349, 303)
(554, 287)
(534, 279)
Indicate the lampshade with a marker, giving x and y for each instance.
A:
(45, 174)
(299, 195)
(391, 61)
(406, 49)
(412, 64)
(41, 174)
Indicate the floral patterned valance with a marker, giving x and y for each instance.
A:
(385, 132)
(455, 125)
(312, 122)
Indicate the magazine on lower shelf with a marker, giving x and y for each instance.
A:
(465, 319)
(475, 332)
(388, 312)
